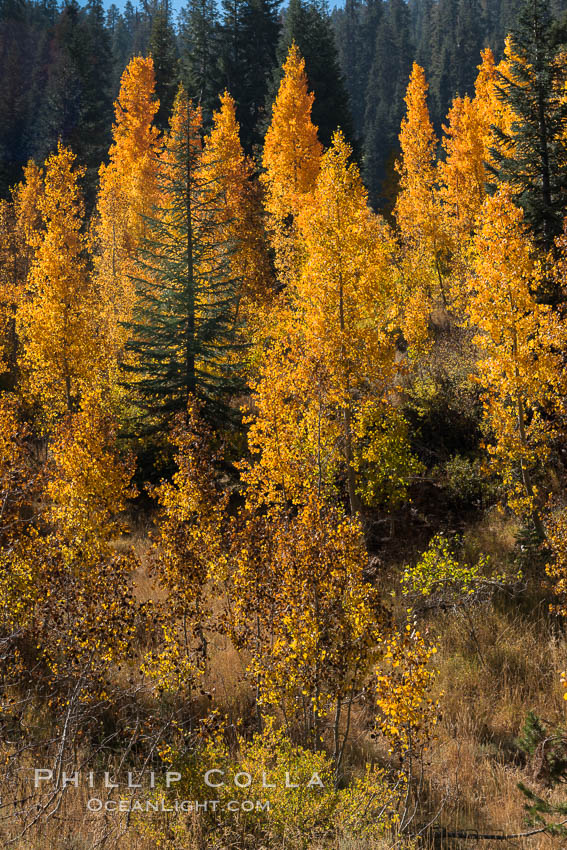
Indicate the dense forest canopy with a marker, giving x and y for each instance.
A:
(377, 43)
(283, 425)
(60, 68)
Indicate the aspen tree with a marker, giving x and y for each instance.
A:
(291, 161)
(520, 342)
(418, 210)
(62, 348)
(230, 174)
(19, 221)
(126, 195)
(469, 135)
(321, 396)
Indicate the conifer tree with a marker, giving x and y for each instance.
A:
(383, 100)
(76, 104)
(199, 54)
(182, 332)
(248, 38)
(532, 155)
(455, 38)
(163, 50)
(355, 35)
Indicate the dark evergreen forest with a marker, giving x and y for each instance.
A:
(60, 68)
(377, 42)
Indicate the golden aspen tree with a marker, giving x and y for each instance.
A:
(408, 710)
(20, 487)
(329, 366)
(19, 220)
(318, 633)
(494, 112)
(556, 569)
(345, 292)
(230, 173)
(89, 483)
(65, 593)
(291, 431)
(58, 326)
(520, 343)
(463, 172)
(189, 554)
(20, 473)
(302, 609)
(418, 210)
(299, 601)
(468, 138)
(9, 290)
(291, 161)
(26, 198)
(126, 195)
(87, 489)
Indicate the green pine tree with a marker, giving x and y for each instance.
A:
(248, 40)
(546, 749)
(385, 99)
(163, 49)
(76, 103)
(183, 332)
(198, 33)
(533, 156)
(355, 28)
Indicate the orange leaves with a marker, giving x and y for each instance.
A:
(230, 172)
(463, 172)
(189, 548)
(62, 352)
(291, 161)
(417, 139)
(292, 151)
(345, 287)
(126, 194)
(131, 170)
(467, 142)
(418, 212)
(520, 341)
(329, 346)
(300, 604)
(90, 483)
(135, 108)
(416, 202)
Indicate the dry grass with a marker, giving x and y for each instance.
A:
(494, 666)
(496, 662)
